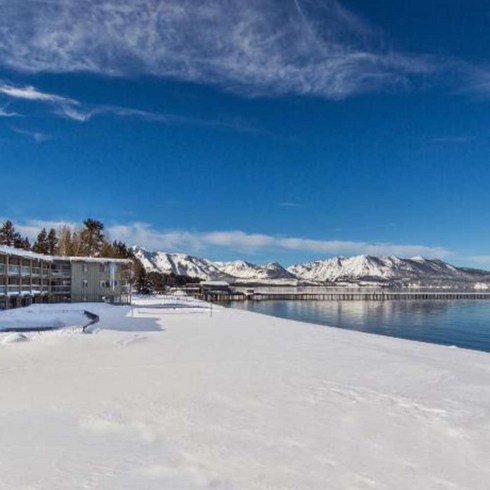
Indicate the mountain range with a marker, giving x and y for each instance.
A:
(357, 270)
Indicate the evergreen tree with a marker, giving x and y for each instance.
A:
(9, 236)
(142, 282)
(23, 242)
(52, 242)
(121, 250)
(92, 237)
(41, 244)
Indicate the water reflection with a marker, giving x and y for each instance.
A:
(461, 323)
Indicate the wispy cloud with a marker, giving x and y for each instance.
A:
(37, 136)
(30, 93)
(145, 235)
(290, 204)
(70, 108)
(32, 227)
(84, 114)
(5, 113)
(61, 105)
(257, 47)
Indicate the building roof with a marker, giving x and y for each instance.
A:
(27, 254)
(215, 283)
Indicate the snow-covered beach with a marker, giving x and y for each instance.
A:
(185, 397)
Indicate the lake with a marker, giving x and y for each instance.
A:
(460, 323)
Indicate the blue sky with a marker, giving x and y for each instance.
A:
(264, 130)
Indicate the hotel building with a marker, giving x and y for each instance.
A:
(28, 277)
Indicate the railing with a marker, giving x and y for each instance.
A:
(58, 273)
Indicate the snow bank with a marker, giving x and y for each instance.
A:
(43, 316)
(163, 398)
(13, 338)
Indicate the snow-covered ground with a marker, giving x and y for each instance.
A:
(43, 316)
(174, 395)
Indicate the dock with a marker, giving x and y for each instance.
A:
(356, 295)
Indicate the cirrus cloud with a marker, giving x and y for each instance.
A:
(257, 47)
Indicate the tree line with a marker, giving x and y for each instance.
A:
(90, 240)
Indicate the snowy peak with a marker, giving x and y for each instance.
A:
(187, 265)
(245, 270)
(178, 263)
(360, 269)
(378, 269)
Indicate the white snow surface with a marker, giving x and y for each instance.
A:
(42, 316)
(174, 394)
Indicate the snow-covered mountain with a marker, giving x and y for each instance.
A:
(245, 270)
(361, 269)
(389, 270)
(178, 263)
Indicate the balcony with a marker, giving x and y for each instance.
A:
(13, 289)
(13, 270)
(60, 273)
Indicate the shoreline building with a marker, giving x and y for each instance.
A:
(28, 277)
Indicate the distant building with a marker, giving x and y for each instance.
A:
(27, 277)
(214, 287)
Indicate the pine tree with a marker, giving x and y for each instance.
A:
(121, 250)
(52, 242)
(142, 282)
(9, 236)
(23, 242)
(41, 244)
(92, 237)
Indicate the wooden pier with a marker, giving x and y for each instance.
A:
(388, 295)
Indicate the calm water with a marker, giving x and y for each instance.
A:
(460, 323)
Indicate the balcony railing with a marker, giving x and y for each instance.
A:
(13, 289)
(58, 273)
